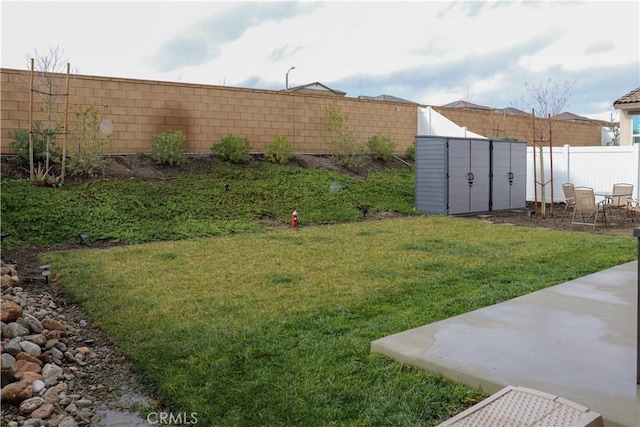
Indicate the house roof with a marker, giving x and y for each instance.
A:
(566, 116)
(465, 104)
(570, 117)
(387, 98)
(629, 98)
(317, 86)
(515, 111)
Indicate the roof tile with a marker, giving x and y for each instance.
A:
(631, 97)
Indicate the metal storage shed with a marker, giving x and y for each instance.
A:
(457, 175)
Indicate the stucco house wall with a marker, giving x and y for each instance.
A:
(629, 108)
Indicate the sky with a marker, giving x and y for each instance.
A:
(492, 53)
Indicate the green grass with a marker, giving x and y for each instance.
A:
(196, 204)
(274, 328)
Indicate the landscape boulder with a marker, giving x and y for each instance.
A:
(17, 392)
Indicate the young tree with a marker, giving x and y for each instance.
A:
(546, 100)
(347, 151)
(614, 130)
(49, 85)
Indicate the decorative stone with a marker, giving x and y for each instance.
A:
(43, 412)
(26, 356)
(31, 322)
(31, 348)
(53, 325)
(13, 347)
(5, 282)
(35, 422)
(83, 403)
(56, 354)
(44, 358)
(22, 366)
(10, 311)
(30, 377)
(83, 350)
(14, 329)
(36, 339)
(84, 416)
(7, 360)
(68, 421)
(17, 392)
(50, 344)
(53, 335)
(6, 377)
(31, 404)
(51, 373)
(52, 395)
(71, 409)
(38, 386)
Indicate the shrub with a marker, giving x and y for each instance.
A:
(168, 148)
(347, 151)
(20, 144)
(279, 150)
(410, 152)
(233, 148)
(85, 156)
(381, 147)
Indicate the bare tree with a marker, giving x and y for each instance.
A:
(547, 100)
(468, 93)
(49, 85)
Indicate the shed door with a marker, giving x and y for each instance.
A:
(508, 175)
(469, 167)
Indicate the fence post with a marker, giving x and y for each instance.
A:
(636, 233)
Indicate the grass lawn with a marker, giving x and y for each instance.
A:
(273, 328)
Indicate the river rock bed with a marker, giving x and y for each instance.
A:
(58, 370)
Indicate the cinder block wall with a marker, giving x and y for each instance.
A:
(138, 109)
(491, 124)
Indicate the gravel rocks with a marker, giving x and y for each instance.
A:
(57, 369)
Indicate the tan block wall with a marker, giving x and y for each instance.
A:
(492, 124)
(140, 109)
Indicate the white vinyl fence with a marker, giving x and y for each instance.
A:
(596, 167)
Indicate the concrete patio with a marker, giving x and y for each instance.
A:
(576, 340)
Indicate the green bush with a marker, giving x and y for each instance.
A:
(85, 156)
(168, 148)
(381, 147)
(279, 150)
(411, 152)
(20, 144)
(347, 151)
(233, 148)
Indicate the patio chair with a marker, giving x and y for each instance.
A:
(569, 198)
(633, 208)
(618, 200)
(587, 209)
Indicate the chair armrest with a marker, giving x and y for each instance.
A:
(633, 204)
